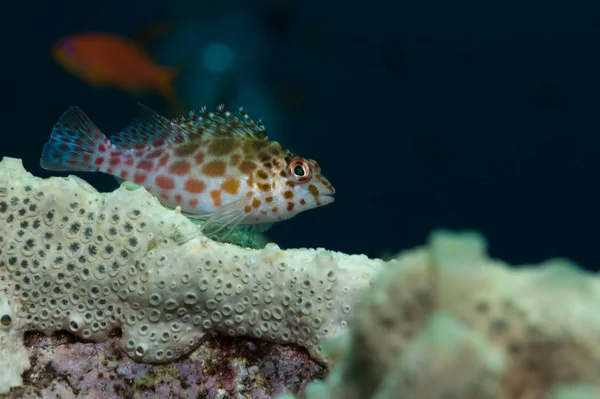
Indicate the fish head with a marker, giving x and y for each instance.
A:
(299, 185)
(66, 53)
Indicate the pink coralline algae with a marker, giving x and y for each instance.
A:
(64, 368)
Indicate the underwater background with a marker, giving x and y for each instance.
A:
(421, 114)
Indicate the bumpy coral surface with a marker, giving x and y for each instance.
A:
(90, 263)
(445, 321)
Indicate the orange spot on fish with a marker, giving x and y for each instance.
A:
(123, 174)
(261, 174)
(193, 202)
(269, 199)
(199, 158)
(222, 146)
(180, 168)
(102, 148)
(235, 160)
(155, 154)
(216, 197)
(129, 161)
(214, 168)
(114, 161)
(165, 182)
(194, 186)
(275, 209)
(145, 164)
(177, 198)
(187, 149)
(163, 161)
(247, 209)
(247, 167)
(231, 186)
(109, 171)
(256, 202)
(254, 146)
(264, 212)
(290, 206)
(277, 149)
(164, 195)
(139, 178)
(288, 194)
(99, 160)
(302, 201)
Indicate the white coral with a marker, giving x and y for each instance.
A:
(446, 321)
(13, 355)
(74, 259)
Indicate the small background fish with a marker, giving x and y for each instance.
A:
(103, 59)
(216, 167)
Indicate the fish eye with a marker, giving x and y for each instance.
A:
(300, 170)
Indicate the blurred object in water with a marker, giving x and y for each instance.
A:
(102, 59)
(217, 57)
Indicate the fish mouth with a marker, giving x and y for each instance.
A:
(327, 198)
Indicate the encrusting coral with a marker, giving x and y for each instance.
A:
(437, 322)
(74, 259)
(446, 321)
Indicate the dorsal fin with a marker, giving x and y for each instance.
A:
(221, 124)
(147, 128)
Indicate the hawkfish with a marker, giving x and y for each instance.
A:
(215, 166)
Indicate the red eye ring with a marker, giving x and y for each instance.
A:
(299, 170)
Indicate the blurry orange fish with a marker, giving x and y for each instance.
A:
(106, 60)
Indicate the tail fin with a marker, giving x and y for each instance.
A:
(76, 144)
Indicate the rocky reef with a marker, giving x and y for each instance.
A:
(111, 295)
(62, 366)
(73, 259)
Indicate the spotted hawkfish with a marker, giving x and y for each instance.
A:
(214, 166)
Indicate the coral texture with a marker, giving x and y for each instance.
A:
(446, 321)
(90, 263)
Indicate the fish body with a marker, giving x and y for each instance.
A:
(103, 59)
(213, 166)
